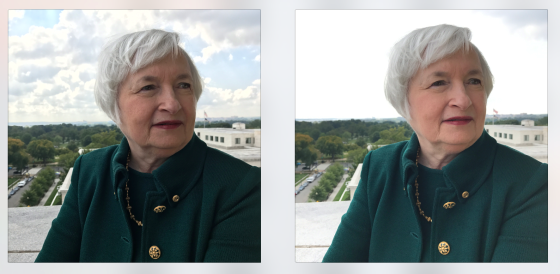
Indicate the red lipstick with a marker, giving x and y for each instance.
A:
(458, 120)
(169, 124)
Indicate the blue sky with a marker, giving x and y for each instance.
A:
(53, 59)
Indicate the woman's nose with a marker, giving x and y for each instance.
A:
(168, 100)
(460, 97)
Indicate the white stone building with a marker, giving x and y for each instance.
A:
(230, 138)
(515, 135)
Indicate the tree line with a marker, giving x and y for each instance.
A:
(328, 182)
(334, 139)
(44, 143)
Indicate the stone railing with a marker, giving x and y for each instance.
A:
(27, 230)
(316, 224)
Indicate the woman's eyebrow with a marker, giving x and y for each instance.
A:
(147, 78)
(184, 76)
(474, 72)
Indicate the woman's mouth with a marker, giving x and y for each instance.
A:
(172, 124)
(458, 120)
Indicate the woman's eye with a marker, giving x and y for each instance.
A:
(474, 81)
(184, 85)
(438, 83)
(148, 87)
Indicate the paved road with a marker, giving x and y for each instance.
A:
(304, 194)
(14, 200)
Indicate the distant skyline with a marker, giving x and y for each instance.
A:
(341, 64)
(53, 59)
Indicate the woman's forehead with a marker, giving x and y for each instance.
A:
(466, 63)
(176, 67)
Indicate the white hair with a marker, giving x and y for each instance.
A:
(418, 50)
(128, 54)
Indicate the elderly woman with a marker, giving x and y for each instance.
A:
(450, 193)
(161, 195)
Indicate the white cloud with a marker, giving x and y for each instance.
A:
(56, 67)
(257, 58)
(257, 82)
(15, 14)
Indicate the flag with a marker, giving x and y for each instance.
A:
(205, 116)
(495, 111)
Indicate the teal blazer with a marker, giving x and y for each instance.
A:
(212, 210)
(502, 219)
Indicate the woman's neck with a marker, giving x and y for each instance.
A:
(145, 161)
(435, 157)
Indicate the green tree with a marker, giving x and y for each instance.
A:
(254, 124)
(103, 139)
(86, 140)
(47, 173)
(318, 193)
(29, 198)
(26, 138)
(330, 145)
(304, 149)
(542, 121)
(41, 149)
(392, 135)
(16, 154)
(72, 146)
(67, 160)
(346, 136)
(361, 142)
(357, 156)
(57, 140)
(62, 150)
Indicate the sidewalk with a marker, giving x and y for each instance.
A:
(48, 194)
(337, 188)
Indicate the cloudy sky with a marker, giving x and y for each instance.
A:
(53, 59)
(342, 57)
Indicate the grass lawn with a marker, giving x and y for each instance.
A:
(58, 200)
(299, 177)
(346, 196)
(12, 180)
(340, 191)
(53, 193)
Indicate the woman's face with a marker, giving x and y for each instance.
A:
(158, 106)
(448, 102)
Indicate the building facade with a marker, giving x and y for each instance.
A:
(516, 135)
(230, 138)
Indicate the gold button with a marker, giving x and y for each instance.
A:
(443, 248)
(159, 209)
(466, 194)
(155, 253)
(449, 205)
(176, 198)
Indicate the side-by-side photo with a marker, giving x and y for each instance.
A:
(421, 136)
(134, 136)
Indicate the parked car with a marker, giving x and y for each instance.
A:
(297, 191)
(9, 168)
(17, 172)
(301, 188)
(310, 178)
(14, 190)
(22, 183)
(318, 174)
(305, 184)
(306, 167)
